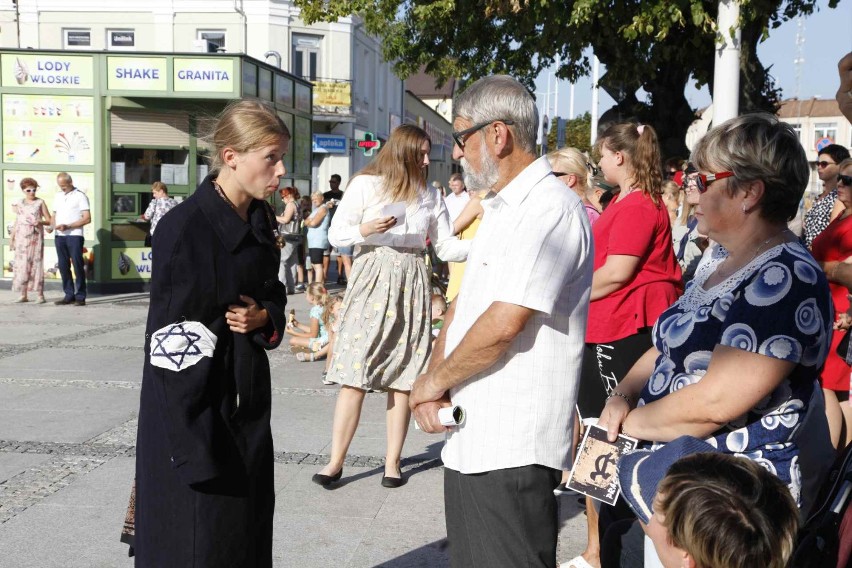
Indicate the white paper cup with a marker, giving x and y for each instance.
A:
(451, 416)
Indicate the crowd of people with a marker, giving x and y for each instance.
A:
(664, 300)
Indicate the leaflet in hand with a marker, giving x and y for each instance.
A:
(594, 472)
(395, 210)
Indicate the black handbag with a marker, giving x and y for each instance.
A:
(292, 231)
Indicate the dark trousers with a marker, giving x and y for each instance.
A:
(502, 518)
(69, 250)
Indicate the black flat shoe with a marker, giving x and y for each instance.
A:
(325, 480)
(391, 482)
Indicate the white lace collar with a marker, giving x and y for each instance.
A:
(696, 296)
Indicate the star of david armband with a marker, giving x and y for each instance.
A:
(181, 345)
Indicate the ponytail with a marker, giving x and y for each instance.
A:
(640, 144)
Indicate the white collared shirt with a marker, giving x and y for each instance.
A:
(455, 204)
(533, 249)
(427, 217)
(69, 209)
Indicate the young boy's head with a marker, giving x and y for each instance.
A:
(709, 510)
(439, 306)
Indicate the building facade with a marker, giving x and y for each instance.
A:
(356, 94)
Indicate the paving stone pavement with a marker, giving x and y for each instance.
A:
(69, 394)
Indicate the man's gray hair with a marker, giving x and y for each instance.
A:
(500, 97)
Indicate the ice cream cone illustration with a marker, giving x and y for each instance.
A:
(21, 72)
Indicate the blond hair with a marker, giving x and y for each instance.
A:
(399, 164)
(245, 125)
(158, 185)
(573, 161)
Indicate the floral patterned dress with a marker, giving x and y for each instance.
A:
(779, 306)
(28, 267)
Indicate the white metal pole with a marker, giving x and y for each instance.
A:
(596, 70)
(726, 75)
(556, 90)
(571, 103)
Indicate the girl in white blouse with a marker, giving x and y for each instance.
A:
(384, 341)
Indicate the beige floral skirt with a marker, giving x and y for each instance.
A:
(385, 337)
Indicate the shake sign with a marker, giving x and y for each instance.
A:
(49, 71)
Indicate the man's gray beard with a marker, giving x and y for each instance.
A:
(486, 179)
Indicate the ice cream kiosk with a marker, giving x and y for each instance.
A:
(117, 122)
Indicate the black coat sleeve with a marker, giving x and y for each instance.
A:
(184, 289)
(274, 300)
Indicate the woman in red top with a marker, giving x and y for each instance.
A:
(831, 246)
(636, 275)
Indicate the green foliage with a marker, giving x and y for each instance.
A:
(658, 45)
(578, 133)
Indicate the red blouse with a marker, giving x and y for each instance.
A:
(634, 226)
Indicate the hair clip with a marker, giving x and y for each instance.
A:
(640, 129)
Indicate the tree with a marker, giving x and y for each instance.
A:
(658, 45)
(577, 133)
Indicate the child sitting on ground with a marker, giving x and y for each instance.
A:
(332, 322)
(439, 310)
(307, 341)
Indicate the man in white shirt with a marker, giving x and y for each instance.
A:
(459, 197)
(70, 214)
(510, 351)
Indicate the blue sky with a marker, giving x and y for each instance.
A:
(828, 36)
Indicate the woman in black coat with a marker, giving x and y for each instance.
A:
(204, 479)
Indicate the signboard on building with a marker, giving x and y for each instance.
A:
(369, 144)
(48, 129)
(330, 144)
(136, 73)
(131, 263)
(204, 74)
(48, 71)
(333, 97)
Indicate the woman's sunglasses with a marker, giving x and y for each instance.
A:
(693, 179)
(845, 180)
(31, 190)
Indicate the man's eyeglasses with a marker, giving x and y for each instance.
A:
(693, 179)
(462, 134)
(824, 164)
(845, 180)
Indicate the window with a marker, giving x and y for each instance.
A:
(306, 56)
(797, 127)
(215, 40)
(825, 130)
(121, 39)
(77, 38)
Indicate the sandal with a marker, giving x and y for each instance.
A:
(20, 301)
(304, 357)
(576, 562)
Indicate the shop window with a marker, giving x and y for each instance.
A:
(306, 56)
(215, 40)
(144, 166)
(77, 38)
(124, 40)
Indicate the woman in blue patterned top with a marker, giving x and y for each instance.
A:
(736, 359)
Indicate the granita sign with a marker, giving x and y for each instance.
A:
(49, 71)
(204, 75)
